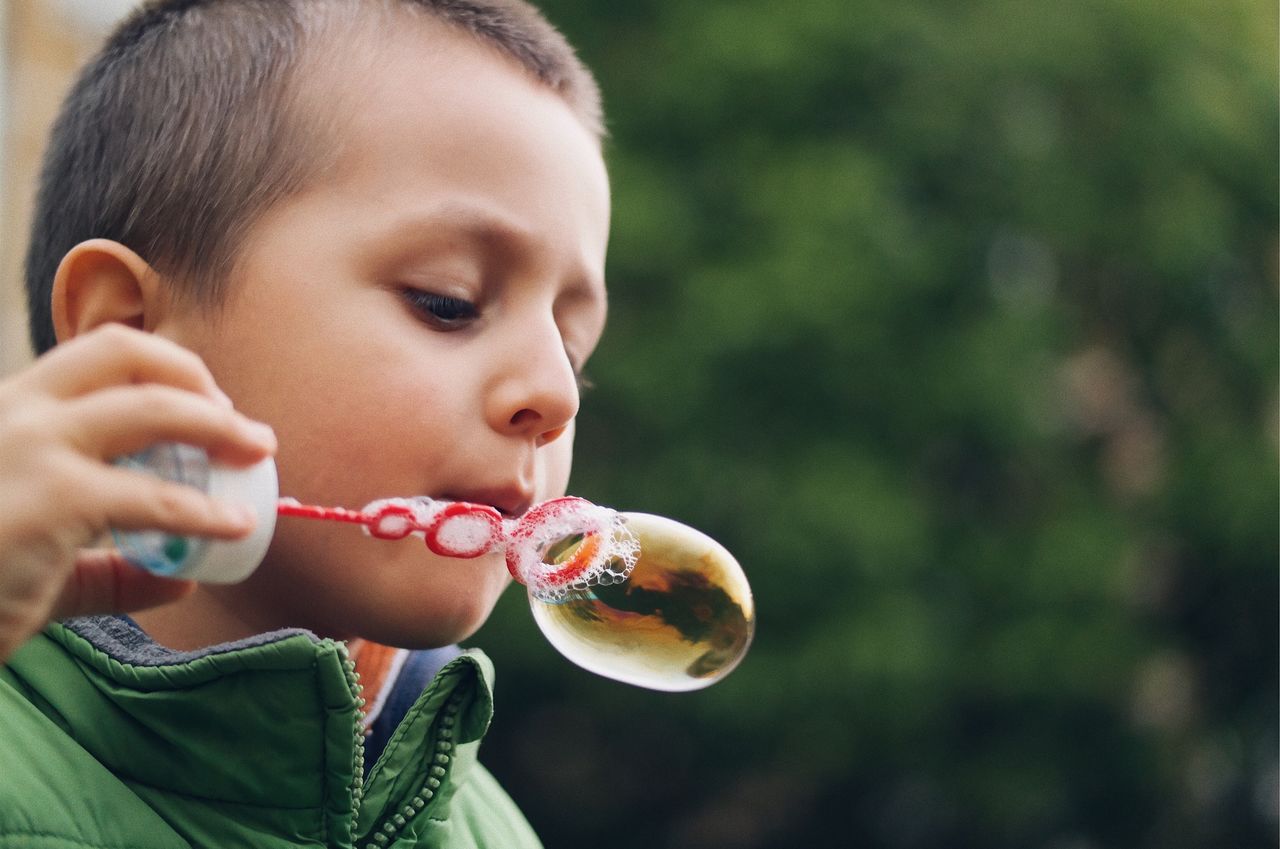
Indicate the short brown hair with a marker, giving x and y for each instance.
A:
(187, 126)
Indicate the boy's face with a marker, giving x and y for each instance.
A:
(411, 324)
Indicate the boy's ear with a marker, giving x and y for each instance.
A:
(99, 282)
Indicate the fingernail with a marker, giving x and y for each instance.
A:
(262, 433)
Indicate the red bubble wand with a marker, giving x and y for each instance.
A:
(587, 544)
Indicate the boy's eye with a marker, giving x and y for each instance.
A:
(443, 311)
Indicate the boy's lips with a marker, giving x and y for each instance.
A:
(511, 502)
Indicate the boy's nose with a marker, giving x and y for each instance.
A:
(537, 396)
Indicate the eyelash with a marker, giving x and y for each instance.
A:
(443, 311)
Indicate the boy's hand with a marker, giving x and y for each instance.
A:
(102, 395)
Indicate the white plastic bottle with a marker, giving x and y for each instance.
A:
(209, 560)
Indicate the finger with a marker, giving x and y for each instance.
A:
(124, 419)
(104, 582)
(113, 354)
(131, 500)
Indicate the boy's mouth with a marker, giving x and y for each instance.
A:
(511, 502)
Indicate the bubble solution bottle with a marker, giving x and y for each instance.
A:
(198, 558)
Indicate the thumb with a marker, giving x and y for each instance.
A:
(104, 582)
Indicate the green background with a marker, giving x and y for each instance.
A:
(957, 323)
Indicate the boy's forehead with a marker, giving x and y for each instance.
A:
(433, 122)
(406, 51)
(457, 92)
(403, 57)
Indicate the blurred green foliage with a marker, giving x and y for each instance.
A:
(957, 323)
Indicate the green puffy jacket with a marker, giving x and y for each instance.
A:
(108, 745)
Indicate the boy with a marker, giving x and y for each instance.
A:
(379, 227)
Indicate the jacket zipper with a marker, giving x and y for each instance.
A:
(440, 757)
(357, 763)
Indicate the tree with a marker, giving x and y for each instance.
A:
(957, 323)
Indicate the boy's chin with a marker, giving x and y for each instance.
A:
(426, 626)
(416, 636)
(397, 594)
